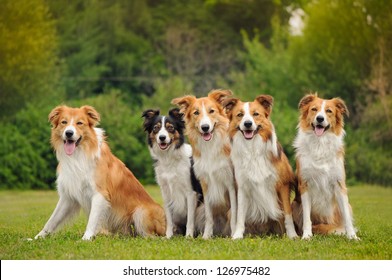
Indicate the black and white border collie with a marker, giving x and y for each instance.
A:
(181, 191)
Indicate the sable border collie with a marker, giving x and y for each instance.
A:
(173, 166)
(90, 177)
(207, 130)
(320, 169)
(263, 173)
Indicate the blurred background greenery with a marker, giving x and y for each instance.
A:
(125, 56)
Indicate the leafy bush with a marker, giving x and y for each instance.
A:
(22, 166)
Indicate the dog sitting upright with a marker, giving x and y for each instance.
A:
(320, 169)
(90, 177)
(263, 173)
(207, 129)
(181, 191)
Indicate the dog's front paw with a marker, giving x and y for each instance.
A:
(169, 233)
(292, 235)
(307, 235)
(87, 237)
(207, 235)
(238, 236)
(42, 234)
(353, 236)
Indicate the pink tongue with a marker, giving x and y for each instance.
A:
(319, 130)
(69, 147)
(248, 134)
(207, 136)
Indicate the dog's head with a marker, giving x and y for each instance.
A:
(322, 115)
(73, 128)
(250, 118)
(164, 131)
(204, 116)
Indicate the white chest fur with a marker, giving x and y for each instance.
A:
(256, 176)
(215, 168)
(172, 171)
(320, 167)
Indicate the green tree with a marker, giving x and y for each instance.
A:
(28, 45)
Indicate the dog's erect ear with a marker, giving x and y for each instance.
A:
(219, 95)
(266, 101)
(306, 100)
(148, 116)
(228, 104)
(184, 102)
(341, 106)
(175, 113)
(54, 115)
(93, 115)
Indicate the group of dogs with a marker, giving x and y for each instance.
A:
(233, 178)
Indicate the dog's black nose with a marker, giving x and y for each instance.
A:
(320, 119)
(69, 133)
(162, 137)
(248, 124)
(205, 127)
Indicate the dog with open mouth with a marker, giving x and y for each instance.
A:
(263, 173)
(323, 205)
(173, 165)
(91, 178)
(207, 129)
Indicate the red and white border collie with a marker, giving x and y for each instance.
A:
(173, 164)
(207, 130)
(263, 173)
(320, 168)
(90, 177)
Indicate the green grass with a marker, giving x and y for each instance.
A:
(24, 213)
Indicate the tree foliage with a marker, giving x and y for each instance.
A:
(28, 54)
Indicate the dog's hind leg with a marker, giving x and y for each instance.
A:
(288, 217)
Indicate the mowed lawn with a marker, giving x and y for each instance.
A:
(24, 213)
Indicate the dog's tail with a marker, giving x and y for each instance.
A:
(150, 221)
(196, 186)
(295, 189)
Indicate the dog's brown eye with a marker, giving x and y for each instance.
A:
(212, 111)
(314, 109)
(156, 129)
(79, 123)
(64, 122)
(255, 114)
(329, 111)
(240, 115)
(170, 128)
(196, 113)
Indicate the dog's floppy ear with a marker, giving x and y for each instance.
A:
(266, 101)
(228, 104)
(341, 106)
(93, 116)
(184, 102)
(54, 115)
(341, 109)
(148, 116)
(219, 95)
(306, 100)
